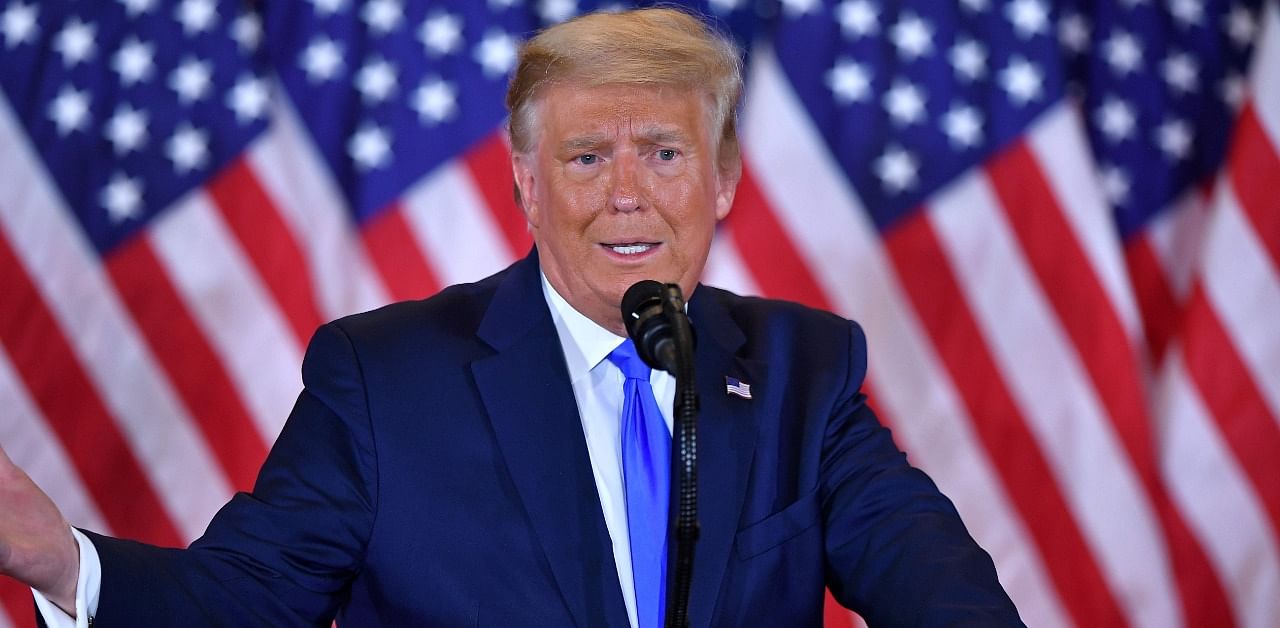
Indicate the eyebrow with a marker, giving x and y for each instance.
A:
(583, 142)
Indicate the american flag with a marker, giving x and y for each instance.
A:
(1059, 223)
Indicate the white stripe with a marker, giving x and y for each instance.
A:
(1213, 492)
(1176, 236)
(453, 226)
(725, 267)
(814, 203)
(1266, 73)
(1243, 287)
(115, 357)
(298, 182)
(1058, 143)
(34, 447)
(1054, 392)
(225, 296)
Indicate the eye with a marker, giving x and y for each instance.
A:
(666, 154)
(587, 159)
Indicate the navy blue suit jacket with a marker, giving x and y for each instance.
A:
(434, 472)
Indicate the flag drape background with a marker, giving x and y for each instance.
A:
(1059, 223)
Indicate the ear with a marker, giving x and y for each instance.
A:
(727, 186)
(522, 168)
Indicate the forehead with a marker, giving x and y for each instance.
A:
(566, 110)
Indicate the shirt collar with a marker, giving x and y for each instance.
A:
(585, 343)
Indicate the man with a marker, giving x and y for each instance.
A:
(461, 460)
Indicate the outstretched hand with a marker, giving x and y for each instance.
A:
(36, 545)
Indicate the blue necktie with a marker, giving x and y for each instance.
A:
(646, 471)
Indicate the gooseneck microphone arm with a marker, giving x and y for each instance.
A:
(656, 322)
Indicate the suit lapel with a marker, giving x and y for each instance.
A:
(526, 390)
(726, 438)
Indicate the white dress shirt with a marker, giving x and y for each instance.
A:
(597, 387)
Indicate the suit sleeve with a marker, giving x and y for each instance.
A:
(283, 555)
(897, 551)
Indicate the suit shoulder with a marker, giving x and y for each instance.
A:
(755, 312)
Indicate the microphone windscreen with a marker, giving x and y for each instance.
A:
(642, 295)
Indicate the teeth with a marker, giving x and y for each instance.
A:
(630, 249)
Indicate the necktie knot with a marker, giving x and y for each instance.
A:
(629, 362)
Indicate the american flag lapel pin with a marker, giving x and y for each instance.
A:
(735, 386)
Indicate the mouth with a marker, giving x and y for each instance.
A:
(630, 250)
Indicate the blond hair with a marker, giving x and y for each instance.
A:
(658, 47)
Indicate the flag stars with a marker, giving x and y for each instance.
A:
(18, 23)
(247, 31)
(1122, 52)
(122, 198)
(1241, 26)
(440, 34)
(1181, 73)
(196, 16)
(963, 126)
(1073, 33)
(857, 18)
(897, 169)
(376, 80)
(975, 6)
(134, 61)
(382, 16)
(849, 81)
(905, 103)
(1115, 185)
(435, 101)
(496, 53)
(1174, 137)
(912, 36)
(1233, 91)
(1022, 80)
(800, 8)
(969, 59)
(135, 8)
(370, 147)
(69, 110)
(127, 129)
(191, 80)
(328, 7)
(1115, 119)
(75, 42)
(188, 149)
(1187, 13)
(248, 99)
(724, 6)
(556, 11)
(1029, 17)
(321, 59)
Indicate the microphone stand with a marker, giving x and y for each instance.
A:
(686, 446)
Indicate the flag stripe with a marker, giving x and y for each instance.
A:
(781, 274)
(938, 300)
(1254, 168)
(1213, 490)
(389, 242)
(269, 244)
(452, 229)
(67, 400)
(489, 163)
(1156, 301)
(16, 607)
(181, 348)
(1081, 306)
(1233, 401)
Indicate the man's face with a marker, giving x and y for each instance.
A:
(622, 185)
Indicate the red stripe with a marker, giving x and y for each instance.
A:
(1233, 398)
(930, 283)
(1156, 302)
(181, 348)
(395, 254)
(490, 165)
(767, 250)
(74, 411)
(834, 615)
(269, 245)
(1083, 309)
(16, 602)
(1254, 168)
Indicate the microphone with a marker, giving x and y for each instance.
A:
(647, 326)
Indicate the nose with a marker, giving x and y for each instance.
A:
(626, 191)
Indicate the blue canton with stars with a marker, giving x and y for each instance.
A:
(133, 103)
